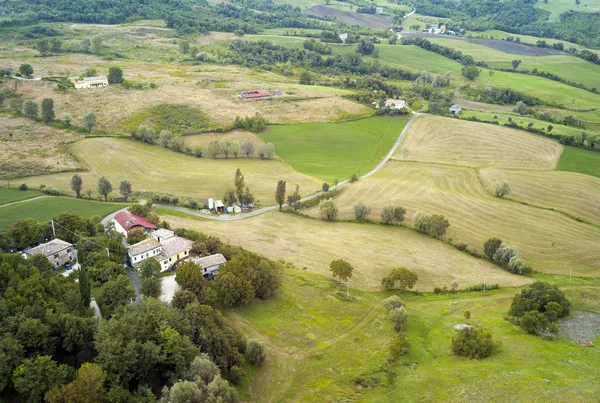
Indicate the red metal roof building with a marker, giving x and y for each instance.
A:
(255, 94)
(125, 221)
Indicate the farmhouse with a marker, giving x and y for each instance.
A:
(92, 82)
(455, 109)
(379, 10)
(57, 251)
(395, 103)
(125, 222)
(149, 247)
(164, 246)
(255, 94)
(175, 250)
(210, 264)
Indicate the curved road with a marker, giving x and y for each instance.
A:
(229, 217)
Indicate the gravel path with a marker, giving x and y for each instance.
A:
(581, 327)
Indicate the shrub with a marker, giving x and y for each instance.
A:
(392, 214)
(472, 343)
(539, 298)
(502, 189)
(325, 187)
(353, 178)
(534, 322)
(361, 211)
(435, 225)
(399, 318)
(328, 210)
(50, 191)
(491, 246)
(399, 346)
(392, 302)
(255, 352)
(191, 203)
(461, 246)
(23, 186)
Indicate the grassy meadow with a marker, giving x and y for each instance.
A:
(558, 7)
(14, 195)
(332, 151)
(46, 208)
(577, 160)
(414, 58)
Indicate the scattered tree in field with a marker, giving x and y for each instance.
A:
(235, 148)
(97, 45)
(392, 214)
(115, 75)
(365, 47)
(86, 45)
(328, 210)
(280, 193)
(214, 148)
(353, 178)
(392, 302)
(165, 137)
(454, 285)
(502, 189)
(31, 109)
(104, 187)
(294, 199)
(89, 120)
(341, 269)
(434, 225)
(467, 315)
(399, 346)
(184, 47)
(125, 189)
(77, 184)
(48, 110)
(491, 246)
(399, 318)
(537, 307)
(43, 46)
(266, 151)
(504, 254)
(361, 211)
(472, 343)
(521, 108)
(55, 45)
(325, 187)
(239, 185)
(400, 278)
(255, 352)
(515, 64)
(470, 72)
(26, 70)
(549, 128)
(66, 119)
(248, 147)
(226, 146)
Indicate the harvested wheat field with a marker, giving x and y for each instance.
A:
(458, 142)
(157, 169)
(550, 241)
(573, 193)
(30, 148)
(313, 244)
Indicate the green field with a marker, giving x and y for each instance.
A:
(13, 195)
(558, 7)
(579, 160)
(551, 92)
(50, 207)
(335, 150)
(321, 348)
(417, 59)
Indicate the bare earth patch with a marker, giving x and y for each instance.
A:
(351, 18)
(581, 326)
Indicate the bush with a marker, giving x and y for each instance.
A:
(434, 225)
(255, 352)
(191, 203)
(399, 346)
(361, 211)
(399, 318)
(491, 246)
(392, 302)
(353, 178)
(50, 191)
(537, 299)
(23, 186)
(328, 210)
(481, 287)
(472, 343)
(392, 214)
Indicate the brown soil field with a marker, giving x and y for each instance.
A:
(351, 18)
(33, 148)
(313, 244)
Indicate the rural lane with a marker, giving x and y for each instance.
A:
(227, 217)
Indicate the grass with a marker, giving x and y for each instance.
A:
(415, 58)
(179, 119)
(203, 140)
(578, 160)
(335, 150)
(14, 195)
(477, 145)
(50, 207)
(156, 169)
(551, 92)
(558, 7)
(318, 347)
(372, 249)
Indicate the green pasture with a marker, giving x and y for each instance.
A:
(50, 207)
(579, 160)
(422, 20)
(14, 195)
(323, 348)
(291, 31)
(417, 59)
(281, 40)
(558, 7)
(335, 150)
(550, 92)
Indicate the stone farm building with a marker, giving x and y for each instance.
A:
(92, 82)
(57, 251)
(164, 246)
(125, 222)
(210, 264)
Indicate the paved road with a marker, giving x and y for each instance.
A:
(234, 217)
(135, 282)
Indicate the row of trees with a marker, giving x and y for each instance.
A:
(104, 187)
(506, 256)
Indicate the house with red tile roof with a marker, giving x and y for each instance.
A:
(125, 222)
(255, 94)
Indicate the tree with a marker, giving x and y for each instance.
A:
(183, 392)
(88, 382)
(399, 318)
(491, 246)
(114, 295)
(470, 72)
(214, 148)
(266, 150)
(280, 193)
(341, 269)
(97, 45)
(534, 322)
(239, 185)
(392, 302)
(305, 78)
(435, 225)
(104, 187)
(400, 278)
(89, 120)
(234, 290)
(365, 47)
(55, 45)
(504, 254)
(150, 268)
(77, 184)
(255, 352)
(515, 64)
(31, 109)
(89, 193)
(151, 286)
(125, 189)
(521, 108)
(543, 298)
(502, 189)
(84, 287)
(328, 210)
(248, 147)
(184, 47)
(26, 70)
(247, 197)
(294, 199)
(43, 46)
(115, 75)
(36, 376)
(229, 197)
(48, 110)
(325, 187)
(226, 146)
(467, 315)
(165, 138)
(392, 214)
(202, 369)
(361, 211)
(86, 45)
(472, 343)
(189, 277)
(399, 346)
(235, 148)
(66, 119)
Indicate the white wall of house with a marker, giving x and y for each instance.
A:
(139, 257)
(119, 229)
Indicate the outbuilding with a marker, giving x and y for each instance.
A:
(125, 222)
(210, 264)
(92, 82)
(57, 251)
(455, 109)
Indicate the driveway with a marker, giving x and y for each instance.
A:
(169, 288)
(135, 282)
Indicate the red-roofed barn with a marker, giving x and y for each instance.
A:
(125, 221)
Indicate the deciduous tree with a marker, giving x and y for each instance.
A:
(328, 210)
(104, 187)
(115, 75)
(239, 185)
(280, 193)
(491, 246)
(31, 109)
(125, 189)
(48, 110)
(341, 269)
(361, 211)
(392, 214)
(89, 120)
(400, 278)
(77, 184)
(502, 189)
(248, 147)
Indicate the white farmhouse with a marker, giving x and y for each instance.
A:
(210, 264)
(142, 250)
(92, 82)
(395, 103)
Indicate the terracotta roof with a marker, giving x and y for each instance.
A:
(49, 248)
(255, 94)
(210, 261)
(175, 245)
(128, 221)
(144, 246)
